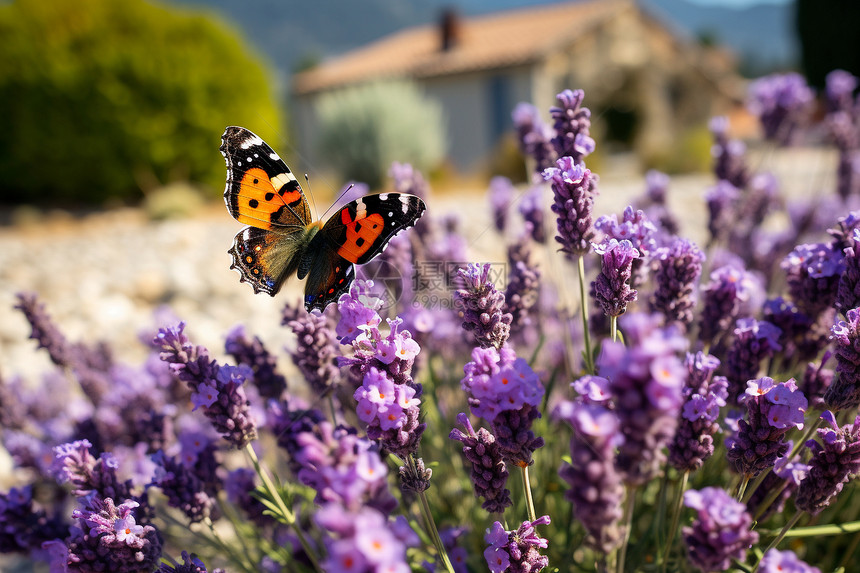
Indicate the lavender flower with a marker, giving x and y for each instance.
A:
(848, 289)
(704, 395)
(390, 411)
(721, 531)
(775, 561)
(501, 195)
(795, 327)
(238, 486)
(363, 540)
(634, 227)
(611, 287)
(833, 463)
(218, 389)
(727, 290)
(646, 379)
(88, 364)
(343, 468)
(572, 124)
(773, 408)
(523, 286)
(184, 488)
(595, 489)
(516, 551)
(534, 136)
(287, 420)
(722, 201)
(532, 209)
(816, 380)
(780, 101)
(251, 352)
(754, 341)
(315, 351)
(190, 564)
(73, 463)
(489, 473)
(482, 306)
(839, 90)
(574, 189)
(506, 392)
(844, 392)
(109, 538)
(728, 154)
(678, 270)
(24, 526)
(812, 272)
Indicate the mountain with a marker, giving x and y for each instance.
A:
(290, 33)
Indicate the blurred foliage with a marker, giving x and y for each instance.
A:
(364, 129)
(690, 153)
(99, 96)
(829, 37)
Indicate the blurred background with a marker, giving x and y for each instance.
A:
(110, 176)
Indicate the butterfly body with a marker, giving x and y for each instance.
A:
(281, 239)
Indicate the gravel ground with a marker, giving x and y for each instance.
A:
(106, 275)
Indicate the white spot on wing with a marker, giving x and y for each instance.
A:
(250, 142)
(274, 156)
(404, 200)
(280, 180)
(383, 196)
(360, 209)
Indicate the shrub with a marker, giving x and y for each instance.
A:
(364, 129)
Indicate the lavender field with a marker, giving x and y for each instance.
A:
(593, 372)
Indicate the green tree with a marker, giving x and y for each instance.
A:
(99, 95)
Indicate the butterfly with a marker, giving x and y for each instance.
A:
(281, 237)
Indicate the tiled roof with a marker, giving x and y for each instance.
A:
(486, 42)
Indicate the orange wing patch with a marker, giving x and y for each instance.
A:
(262, 202)
(361, 234)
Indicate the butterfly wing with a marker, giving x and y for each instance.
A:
(261, 190)
(361, 229)
(329, 277)
(265, 259)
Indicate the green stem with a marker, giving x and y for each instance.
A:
(431, 527)
(676, 516)
(795, 518)
(288, 515)
(627, 522)
(530, 504)
(742, 487)
(332, 408)
(821, 530)
(583, 305)
(750, 490)
(613, 328)
(771, 497)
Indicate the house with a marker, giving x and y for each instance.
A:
(644, 82)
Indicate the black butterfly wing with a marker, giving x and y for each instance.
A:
(361, 229)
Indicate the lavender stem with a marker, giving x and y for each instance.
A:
(530, 504)
(627, 522)
(583, 306)
(676, 516)
(288, 515)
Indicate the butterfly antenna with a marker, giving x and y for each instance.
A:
(339, 197)
(310, 192)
